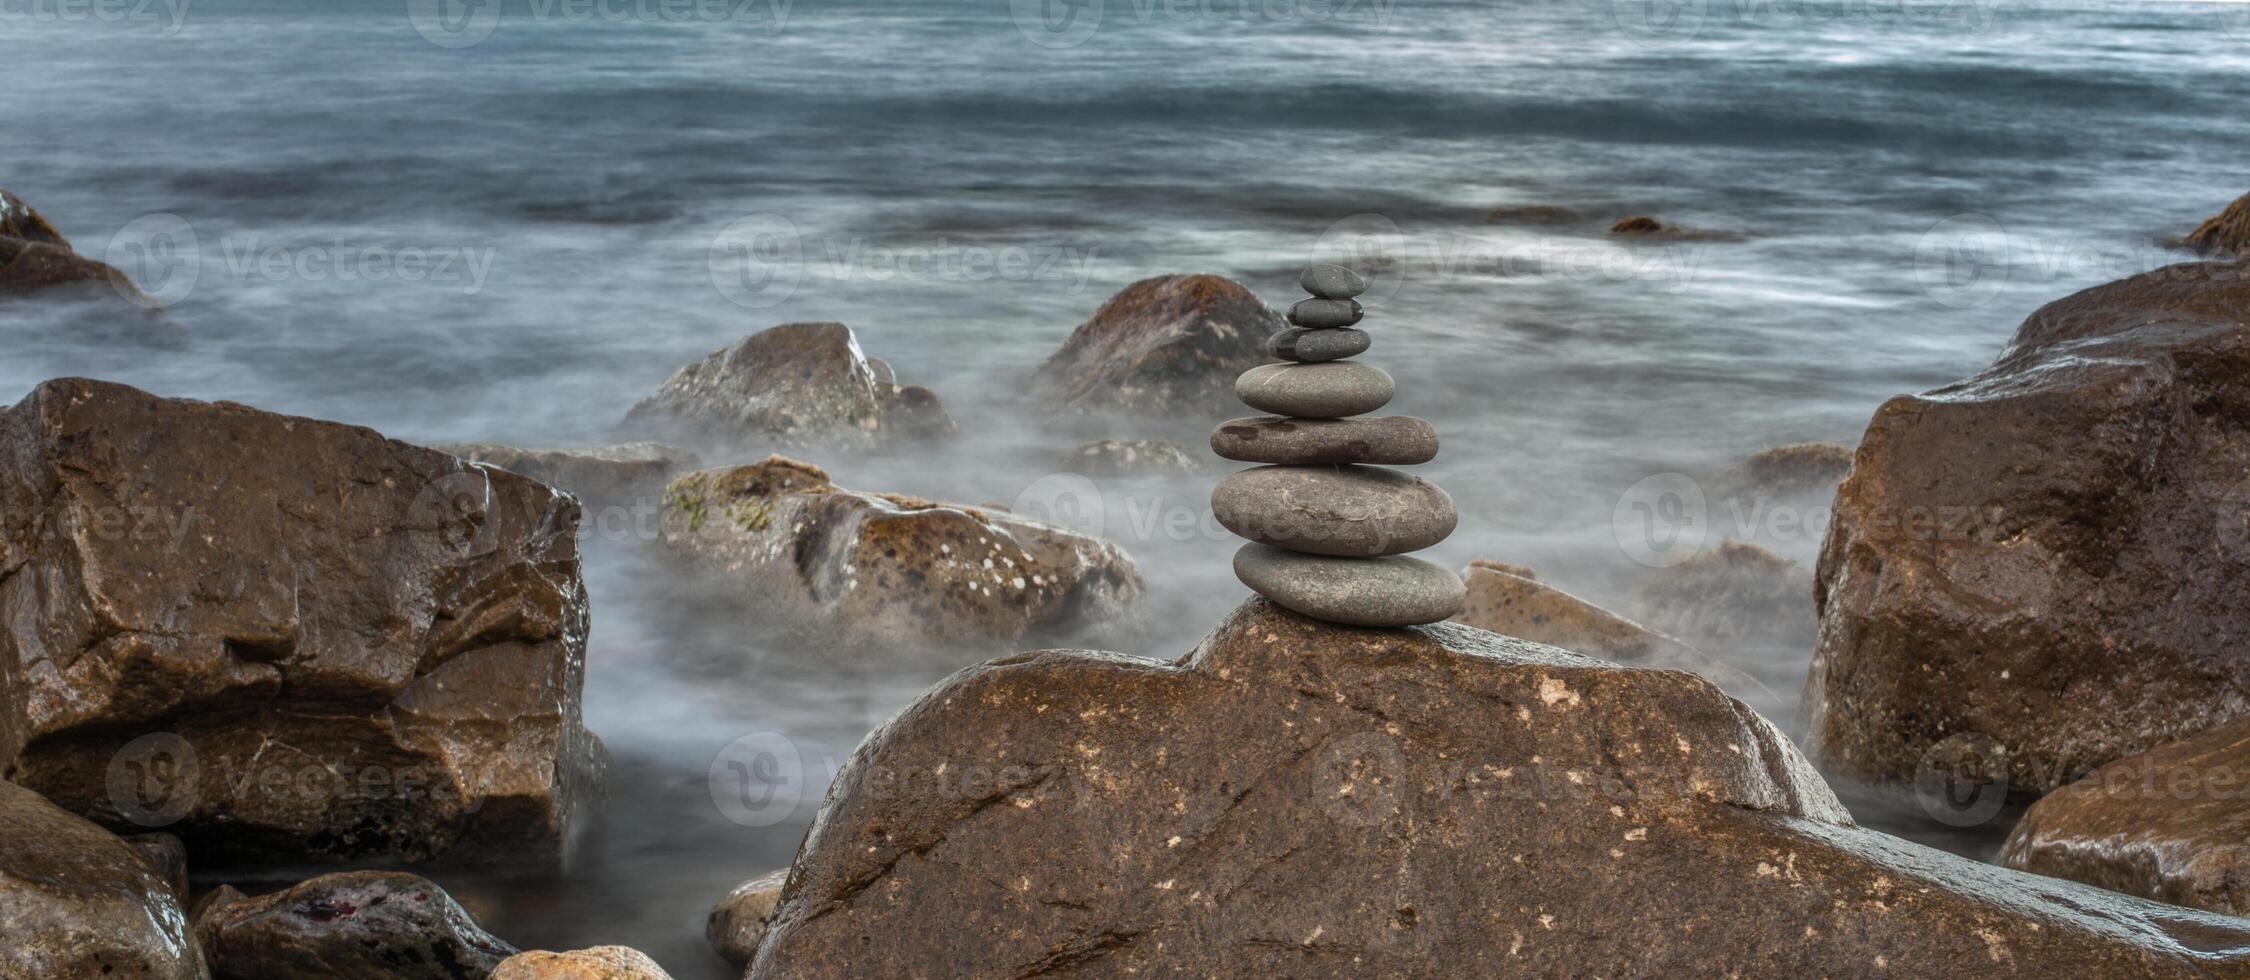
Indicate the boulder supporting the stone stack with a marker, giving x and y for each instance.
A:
(1328, 527)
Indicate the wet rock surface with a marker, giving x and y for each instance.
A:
(1162, 346)
(794, 386)
(1299, 799)
(283, 639)
(2050, 554)
(738, 922)
(2172, 824)
(598, 963)
(853, 568)
(75, 901)
(345, 926)
(1397, 440)
(1308, 346)
(1345, 511)
(615, 476)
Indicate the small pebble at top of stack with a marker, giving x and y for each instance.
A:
(1328, 528)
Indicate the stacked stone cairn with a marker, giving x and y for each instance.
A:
(1329, 526)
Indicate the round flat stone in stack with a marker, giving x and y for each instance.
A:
(1328, 524)
(1396, 440)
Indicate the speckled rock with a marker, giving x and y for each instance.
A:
(1170, 345)
(850, 568)
(1334, 389)
(1397, 440)
(349, 925)
(598, 963)
(2172, 824)
(618, 476)
(1303, 800)
(1133, 457)
(1346, 511)
(1313, 346)
(2052, 554)
(1319, 314)
(283, 639)
(1392, 591)
(794, 386)
(75, 901)
(1504, 600)
(20, 221)
(1330, 281)
(738, 922)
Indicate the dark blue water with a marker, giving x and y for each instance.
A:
(590, 200)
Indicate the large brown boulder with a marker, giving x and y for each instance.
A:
(795, 386)
(1163, 346)
(598, 963)
(2052, 554)
(850, 568)
(345, 926)
(2172, 824)
(75, 901)
(2226, 233)
(1300, 799)
(283, 639)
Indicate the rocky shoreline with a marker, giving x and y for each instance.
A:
(234, 642)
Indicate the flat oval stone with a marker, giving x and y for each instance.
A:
(1395, 440)
(1332, 281)
(1323, 313)
(1311, 346)
(1328, 390)
(1346, 511)
(1393, 591)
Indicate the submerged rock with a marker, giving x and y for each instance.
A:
(1738, 594)
(2052, 554)
(853, 568)
(1508, 599)
(738, 922)
(284, 639)
(598, 963)
(2226, 233)
(20, 221)
(75, 901)
(34, 256)
(1641, 224)
(1134, 457)
(795, 386)
(1170, 345)
(1795, 470)
(1300, 799)
(345, 926)
(2172, 824)
(618, 476)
